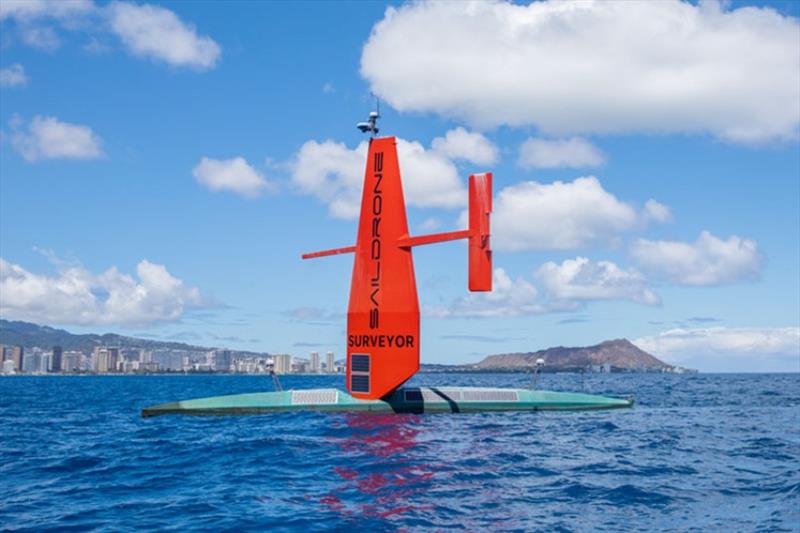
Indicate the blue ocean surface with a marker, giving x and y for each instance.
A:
(697, 453)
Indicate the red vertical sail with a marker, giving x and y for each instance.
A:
(480, 253)
(383, 315)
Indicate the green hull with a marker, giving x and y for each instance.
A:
(404, 400)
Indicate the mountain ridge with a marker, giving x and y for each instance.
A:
(619, 353)
(29, 335)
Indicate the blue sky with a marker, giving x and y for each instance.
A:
(123, 125)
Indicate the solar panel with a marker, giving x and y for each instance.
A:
(359, 362)
(359, 383)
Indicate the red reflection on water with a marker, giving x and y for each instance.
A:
(388, 439)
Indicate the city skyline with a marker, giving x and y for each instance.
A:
(167, 192)
(104, 359)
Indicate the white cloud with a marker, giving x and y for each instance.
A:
(431, 224)
(41, 37)
(469, 146)
(153, 31)
(508, 298)
(557, 288)
(657, 211)
(234, 175)
(77, 296)
(592, 67)
(707, 261)
(559, 216)
(29, 10)
(13, 76)
(581, 279)
(49, 138)
(555, 153)
(725, 345)
(36, 20)
(334, 174)
(146, 30)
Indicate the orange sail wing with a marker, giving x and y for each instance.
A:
(383, 316)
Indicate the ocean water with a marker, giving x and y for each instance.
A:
(697, 453)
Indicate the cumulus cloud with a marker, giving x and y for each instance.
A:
(592, 67)
(158, 33)
(36, 20)
(567, 153)
(234, 175)
(568, 286)
(559, 216)
(146, 30)
(77, 296)
(334, 174)
(726, 345)
(581, 279)
(657, 211)
(13, 76)
(707, 261)
(49, 138)
(469, 146)
(29, 10)
(507, 298)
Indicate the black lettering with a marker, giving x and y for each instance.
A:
(377, 204)
(376, 249)
(400, 342)
(382, 341)
(350, 340)
(377, 188)
(377, 277)
(373, 318)
(376, 230)
(410, 341)
(390, 338)
(373, 295)
(378, 166)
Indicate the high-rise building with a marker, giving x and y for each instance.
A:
(71, 361)
(283, 363)
(100, 359)
(58, 353)
(169, 359)
(43, 362)
(16, 354)
(222, 360)
(113, 359)
(330, 364)
(35, 361)
(30, 362)
(315, 362)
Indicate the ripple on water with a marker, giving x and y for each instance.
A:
(695, 454)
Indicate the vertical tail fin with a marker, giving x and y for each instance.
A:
(480, 251)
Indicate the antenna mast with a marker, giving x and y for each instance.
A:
(371, 125)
